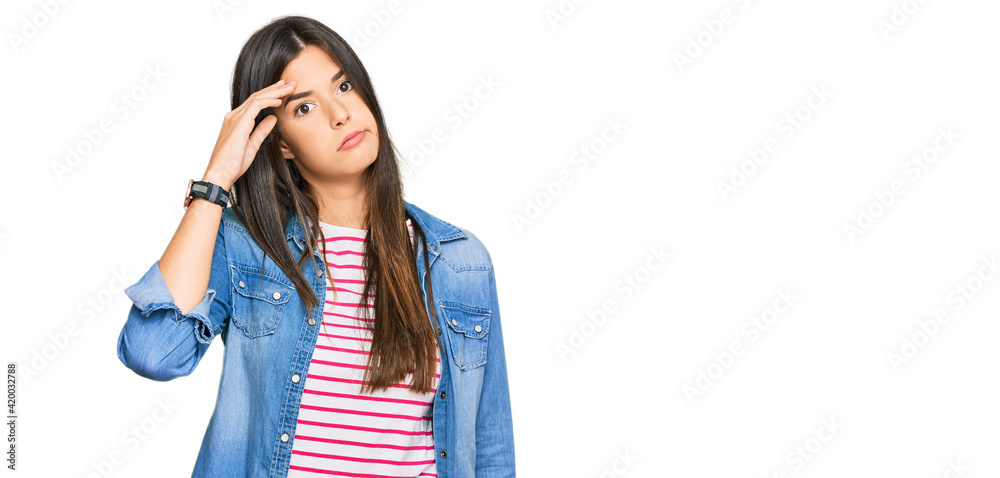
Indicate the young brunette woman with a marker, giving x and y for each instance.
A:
(362, 334)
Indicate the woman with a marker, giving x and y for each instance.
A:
(367, 346)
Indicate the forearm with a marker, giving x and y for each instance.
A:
(187, 261)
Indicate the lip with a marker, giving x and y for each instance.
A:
(352, 138)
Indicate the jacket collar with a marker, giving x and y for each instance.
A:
(436, 230)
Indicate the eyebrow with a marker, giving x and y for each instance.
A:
(303, 94)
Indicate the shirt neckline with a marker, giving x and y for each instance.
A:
(342, 228)
(356, 231)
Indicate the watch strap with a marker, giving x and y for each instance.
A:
(206, 190)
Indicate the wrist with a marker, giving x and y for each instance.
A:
(212, 191)
(218, 180)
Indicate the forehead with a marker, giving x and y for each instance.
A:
(312, 63)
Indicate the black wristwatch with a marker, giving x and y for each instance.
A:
(206, 190)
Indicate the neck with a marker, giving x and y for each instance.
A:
(342, 204)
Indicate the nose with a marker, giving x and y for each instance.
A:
(339, 114)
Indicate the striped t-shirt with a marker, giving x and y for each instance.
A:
(341, 432)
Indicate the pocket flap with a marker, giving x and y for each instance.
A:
(249, 282)
(469, 320)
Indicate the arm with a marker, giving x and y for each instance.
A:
(494, 425)
(163, 338)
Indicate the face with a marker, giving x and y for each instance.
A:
(323, 110)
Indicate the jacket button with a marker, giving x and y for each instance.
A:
(479, 329)
(312, 321)
(242, 285)
(284, 437)
(454, 322)
(277, 295)
(295, 378)
(319, 272)
(444, 454)
(444, 394)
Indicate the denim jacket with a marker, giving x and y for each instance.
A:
(269, 341)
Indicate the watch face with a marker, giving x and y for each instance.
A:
(187, 195)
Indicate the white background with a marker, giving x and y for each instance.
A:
(618, 403)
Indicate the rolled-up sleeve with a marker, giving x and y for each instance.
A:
(494, 425)
(161, 343)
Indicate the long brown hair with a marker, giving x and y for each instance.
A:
(271, 190)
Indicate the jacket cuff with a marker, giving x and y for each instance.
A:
(150, 293)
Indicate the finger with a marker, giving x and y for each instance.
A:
(259, 133)
(247, 113)
(244, 110)
(282, 89)
(252, 103)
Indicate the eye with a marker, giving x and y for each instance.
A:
(340, 87)
(300, 107)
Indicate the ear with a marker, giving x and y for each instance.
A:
(286, 152)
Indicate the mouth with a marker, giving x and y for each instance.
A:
(352, 138)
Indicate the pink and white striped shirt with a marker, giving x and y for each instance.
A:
(341, 432)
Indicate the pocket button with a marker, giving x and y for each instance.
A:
(259, 299)
(468, 332)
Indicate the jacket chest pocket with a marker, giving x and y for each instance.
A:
(258, 299)
(468, 329)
